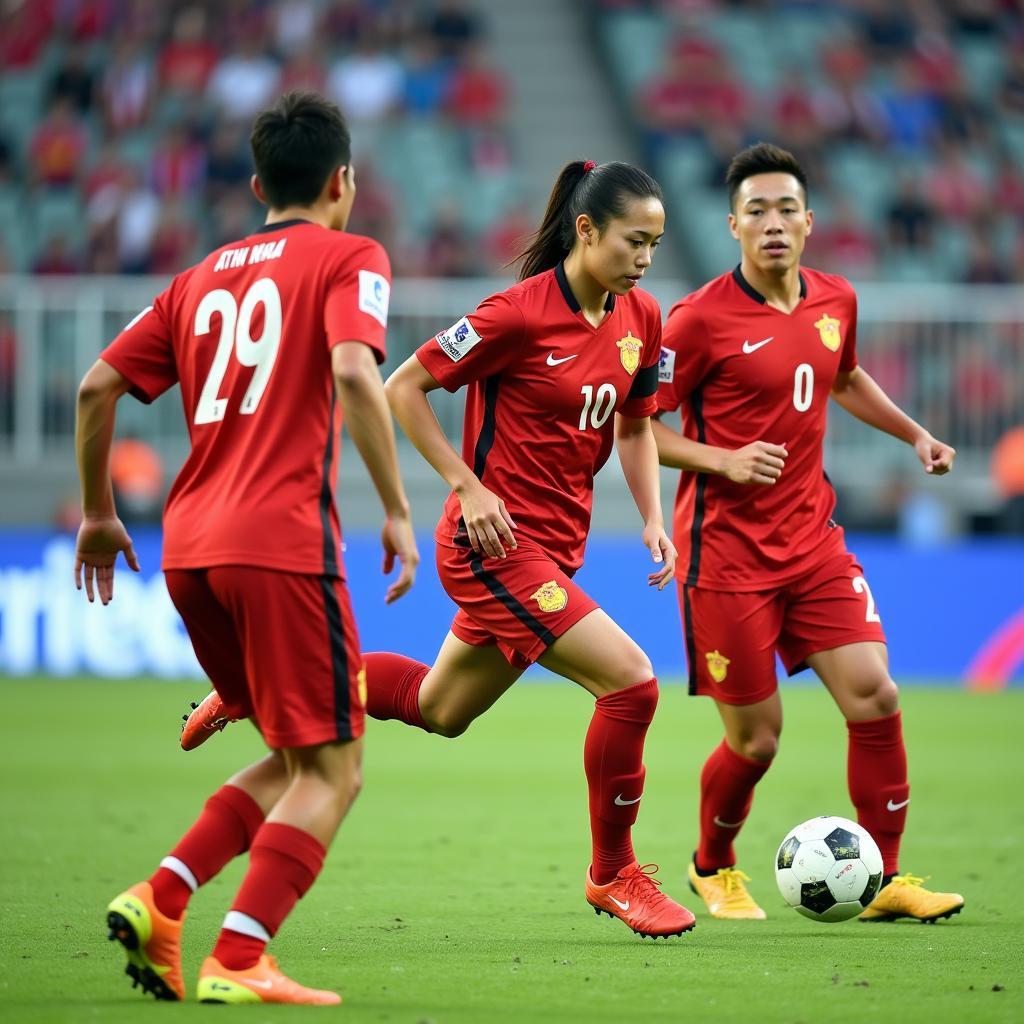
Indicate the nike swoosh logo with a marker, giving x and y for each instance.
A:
(728, 824)
(626, 803)
(897, 807)
(619, 903)
(552, 361)
(748, 348)
(257, 984)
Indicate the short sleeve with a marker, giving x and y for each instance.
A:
(642, 398)
(848, 356)
(478, 346)
(357, 299)
(143, 353)
(684, 360)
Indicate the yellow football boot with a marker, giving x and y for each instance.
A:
(906, 896)
(725, 894)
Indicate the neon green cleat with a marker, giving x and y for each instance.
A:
(151, 940)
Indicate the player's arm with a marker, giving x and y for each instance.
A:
(759, 462)
(488, 522)
(859, 394)
(361, 394)
(102, 534)
(638, 454)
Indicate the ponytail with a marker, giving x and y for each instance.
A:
(602, 191)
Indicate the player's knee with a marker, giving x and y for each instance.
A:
(884, 699)
(447, 722)
(628, 671)
(760, 747)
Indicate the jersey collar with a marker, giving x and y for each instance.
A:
(737, 276)
(281, 224)
(570, 299)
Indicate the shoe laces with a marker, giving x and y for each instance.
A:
(915, 880)
(642, 884)
(732, 880)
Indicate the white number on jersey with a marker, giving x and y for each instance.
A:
(597, 409)
(803, 387)
(860, 585)
(236, 335)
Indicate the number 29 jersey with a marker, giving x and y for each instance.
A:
(744, 371)
(248, 333)
(544, 384)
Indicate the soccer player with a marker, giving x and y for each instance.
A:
(558, 368)
(752, 358)
(271, 338)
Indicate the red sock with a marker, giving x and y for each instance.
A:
(283, 863)
(393, 687)
(223, 831)
(613, 759)
(726, 793)
(876, 772)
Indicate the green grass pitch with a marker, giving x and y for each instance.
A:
(454, 892)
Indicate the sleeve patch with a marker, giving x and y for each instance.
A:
(374, 295)
(458, 339)
(667, 366)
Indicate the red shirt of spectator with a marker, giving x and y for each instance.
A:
(477, 94)
(58, 147)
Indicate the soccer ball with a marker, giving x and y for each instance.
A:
(828, 868)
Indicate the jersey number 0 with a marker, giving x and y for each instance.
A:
(236, 335)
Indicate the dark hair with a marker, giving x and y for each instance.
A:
(297, 144)
(601, 191)
(762, 158)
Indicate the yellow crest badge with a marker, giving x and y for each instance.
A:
(629, 352)
(718, 665)
(361, 685)
(828, 328)
(550, 597)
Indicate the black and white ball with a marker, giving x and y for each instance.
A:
(828, 869)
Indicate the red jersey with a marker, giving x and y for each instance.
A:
(543, 384)
(248, 333)
(744, 371)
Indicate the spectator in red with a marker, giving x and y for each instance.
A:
(25, 28)
(477, 92)
(178, 164)
(58, 147)
(844, 245)
(954, 187)
(173, 242)
(108, 170)
(188, 60)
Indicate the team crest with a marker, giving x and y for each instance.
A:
(718, 665)
(550, 597)
(361, 685)
(629, 352)
(828, 328)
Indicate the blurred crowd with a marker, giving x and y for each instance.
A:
(124, 126)
(909, 118)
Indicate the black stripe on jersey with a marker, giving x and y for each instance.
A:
(339, 658)
(509, 600)
(697, 404)
(691, 647)
(645, 383)
(486, 437)
(280, 224)
(570, 299)
(326, 492)
(738, 277)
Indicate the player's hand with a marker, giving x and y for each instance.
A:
(488, 522)
(663, 553)
(99, 541)
(399, 542)
(756, 463)
(936, 457)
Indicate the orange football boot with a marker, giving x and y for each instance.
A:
(261, 983)
(634, 896)
(151, 940)
(206, 718)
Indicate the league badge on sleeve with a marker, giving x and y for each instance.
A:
(667, 366)
(828, 328)
(458, 339)
(374, 296)
(629, 352)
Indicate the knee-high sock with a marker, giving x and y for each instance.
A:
(726, 793)
(393, 687)
(877, 777)
(225, 829)
(613, 759)
(283, 863)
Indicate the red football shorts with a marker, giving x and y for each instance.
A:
(731, 639)
(280, 647)
(522, 603)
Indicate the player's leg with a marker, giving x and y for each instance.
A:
(444, 698)
(598, 655)
(730, 650)
(833, 626)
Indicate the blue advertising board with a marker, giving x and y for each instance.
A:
(953, 613)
